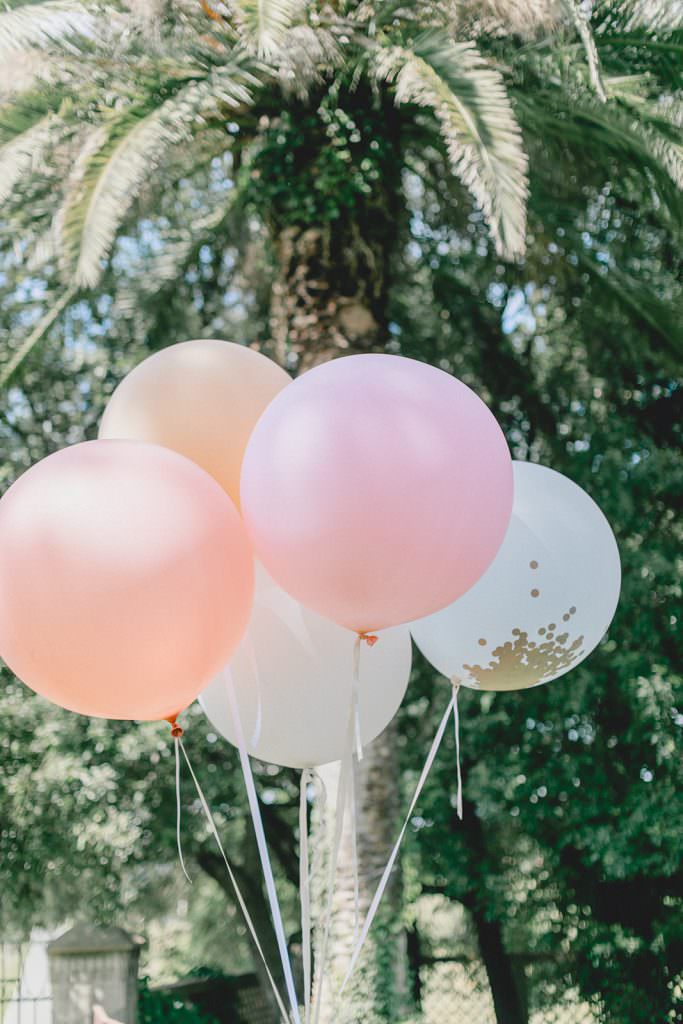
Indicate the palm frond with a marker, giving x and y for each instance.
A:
(626, 137)
(39, 332)
(581, 18)
(24, 153)
(307, 54)
(266, 23)
(36, 24)
(122, 154)
(653, 15)
(484, 143)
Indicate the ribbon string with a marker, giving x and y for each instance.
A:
(176, 742)
(355, 697)
(342, 790)
(456, 718)
(354, 850)
(305, 890)
(264, 856)
(384, 881)
(238, 893)
(253, 661)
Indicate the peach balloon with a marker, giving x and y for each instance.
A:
(201, 398)
(375, 485)
(126, 579)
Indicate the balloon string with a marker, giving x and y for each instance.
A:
(355, 697)
(233, 880)
(264, 856)
(354, 852)
(258, 725)
(456, 718)
(376, 899)
(176, 742)
(341, 800)
(305, 889)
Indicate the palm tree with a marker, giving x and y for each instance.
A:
(317, 122)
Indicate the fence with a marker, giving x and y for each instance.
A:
(457, 990)
(25, 983)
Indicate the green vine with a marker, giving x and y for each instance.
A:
(314, 167)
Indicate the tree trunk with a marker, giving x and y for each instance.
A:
(508, 998)
(377, 991)
(329, 298)
(252, 889)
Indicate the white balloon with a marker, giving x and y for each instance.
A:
(293, 677)
(545, 602)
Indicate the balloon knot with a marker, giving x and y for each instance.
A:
(369, 638)
(177, 731)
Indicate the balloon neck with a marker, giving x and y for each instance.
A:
(177, 731)
(369, 638)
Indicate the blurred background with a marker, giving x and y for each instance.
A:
(493, 187)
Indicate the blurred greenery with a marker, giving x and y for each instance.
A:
(570, 846)
(161, 1008)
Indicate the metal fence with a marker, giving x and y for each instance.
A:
(25, 983)
(458, 991)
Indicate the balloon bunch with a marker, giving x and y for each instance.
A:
(379, 497)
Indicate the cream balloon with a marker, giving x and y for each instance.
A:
(545, 602)
(200, 398)
(293, 677)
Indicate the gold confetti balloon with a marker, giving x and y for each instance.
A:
(546, 601)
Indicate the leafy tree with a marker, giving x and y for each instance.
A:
(343, 177)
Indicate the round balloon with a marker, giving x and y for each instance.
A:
(201, 398)
(546, 601)
(392, 485)
(293, 677)
(126, 579)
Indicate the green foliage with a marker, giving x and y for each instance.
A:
(162, 1008)
(315, 167)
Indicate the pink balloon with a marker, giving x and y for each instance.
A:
(376, 490)
(126, 579)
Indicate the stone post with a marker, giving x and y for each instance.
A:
(94, 966)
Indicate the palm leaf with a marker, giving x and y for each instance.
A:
(38, 333)
(36, 24)
(123, 153)
(266, 23)
(477, 122)
(29, 127)
(653, 15)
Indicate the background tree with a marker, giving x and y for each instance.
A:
(306, 175)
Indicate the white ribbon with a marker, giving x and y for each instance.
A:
(263, 849)
(355, 697)
(376, 899)
(342, 788)
(258, 724)
(456, 716)
(354, 851)
(233, 880)
(305, 890)
(176, 741)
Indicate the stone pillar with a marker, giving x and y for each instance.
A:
(90, 966)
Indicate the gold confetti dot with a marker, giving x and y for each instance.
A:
(572, 610)
(482, 642)
(552, 625)
(533, 565)
(541, 632)
(515, 632)
(565, 618)
(550, 636)
(535, 592)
